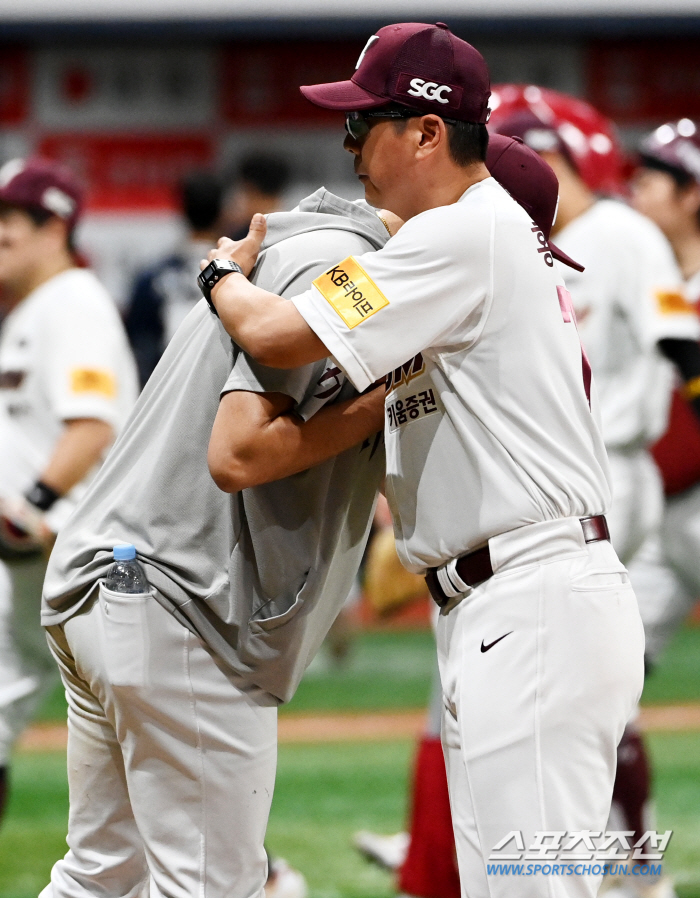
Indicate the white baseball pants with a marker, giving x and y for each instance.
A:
(666, 571)
(533, 718)
(171, 760)
(27, 669)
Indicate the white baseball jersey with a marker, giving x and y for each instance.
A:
(692, 287)
(489, 425)
(629, 297)
(63, 355)
(666, 572)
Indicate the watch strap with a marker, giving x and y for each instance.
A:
(212, 274)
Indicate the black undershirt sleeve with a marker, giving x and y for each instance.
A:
(685, 355)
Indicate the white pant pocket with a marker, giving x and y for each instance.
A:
(124, 637)
(596, 581)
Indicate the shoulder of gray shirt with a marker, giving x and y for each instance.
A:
(324, 210)
(293, 254)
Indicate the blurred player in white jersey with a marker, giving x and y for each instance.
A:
(667, 189)
(636, 324)
(67, 385)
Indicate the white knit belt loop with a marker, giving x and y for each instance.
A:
(450, 581)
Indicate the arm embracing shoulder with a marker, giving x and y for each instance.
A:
(258, 438)
(268, 327)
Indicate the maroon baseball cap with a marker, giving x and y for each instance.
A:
(676, 146)
(531, 182)
(42, 184)
(422, 66)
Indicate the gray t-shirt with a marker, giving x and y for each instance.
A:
(259, 575)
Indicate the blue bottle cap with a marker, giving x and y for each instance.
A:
(125, 552)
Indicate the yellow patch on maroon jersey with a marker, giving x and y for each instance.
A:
(672, 302)
(351, 291)
(93, 380)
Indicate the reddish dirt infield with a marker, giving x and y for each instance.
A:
(300, 728)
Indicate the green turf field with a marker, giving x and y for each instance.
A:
(325, 792)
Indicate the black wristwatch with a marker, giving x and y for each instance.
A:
(212, 274)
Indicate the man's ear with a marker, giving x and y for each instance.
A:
(432, 132)
(56, 231)
(691, 199)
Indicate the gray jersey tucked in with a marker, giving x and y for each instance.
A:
(259, 575)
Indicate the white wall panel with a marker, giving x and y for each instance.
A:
(123, 87)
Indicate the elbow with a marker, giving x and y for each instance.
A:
(229, 472)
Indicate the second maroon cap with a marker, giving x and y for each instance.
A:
(531, 182)
(675, 145)
(42, 184)
(422, 66)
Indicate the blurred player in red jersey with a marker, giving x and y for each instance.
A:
(666, 188)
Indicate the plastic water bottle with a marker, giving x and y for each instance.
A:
(126, 575)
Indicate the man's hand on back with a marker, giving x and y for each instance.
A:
(243, 252)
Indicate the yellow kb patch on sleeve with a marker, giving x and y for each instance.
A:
(93, 380)
(351, 291)
(672, 302)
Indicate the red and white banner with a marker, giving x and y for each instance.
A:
(125, 88)
(260, 81)
(14, 86)
(645, 81)
(130, 172)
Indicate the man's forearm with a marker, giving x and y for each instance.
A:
(266, 326)
(288, 444)
(79, 448)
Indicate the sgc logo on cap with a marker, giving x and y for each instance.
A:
(449, 95)
(429, 90)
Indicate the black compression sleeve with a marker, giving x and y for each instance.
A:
(685, 355)
(42, 496)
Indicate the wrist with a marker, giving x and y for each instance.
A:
(210, 278)
(215, 293)
(42, 496)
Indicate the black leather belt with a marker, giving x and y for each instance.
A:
(475, 567)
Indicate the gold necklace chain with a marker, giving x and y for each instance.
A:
(385, 224)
